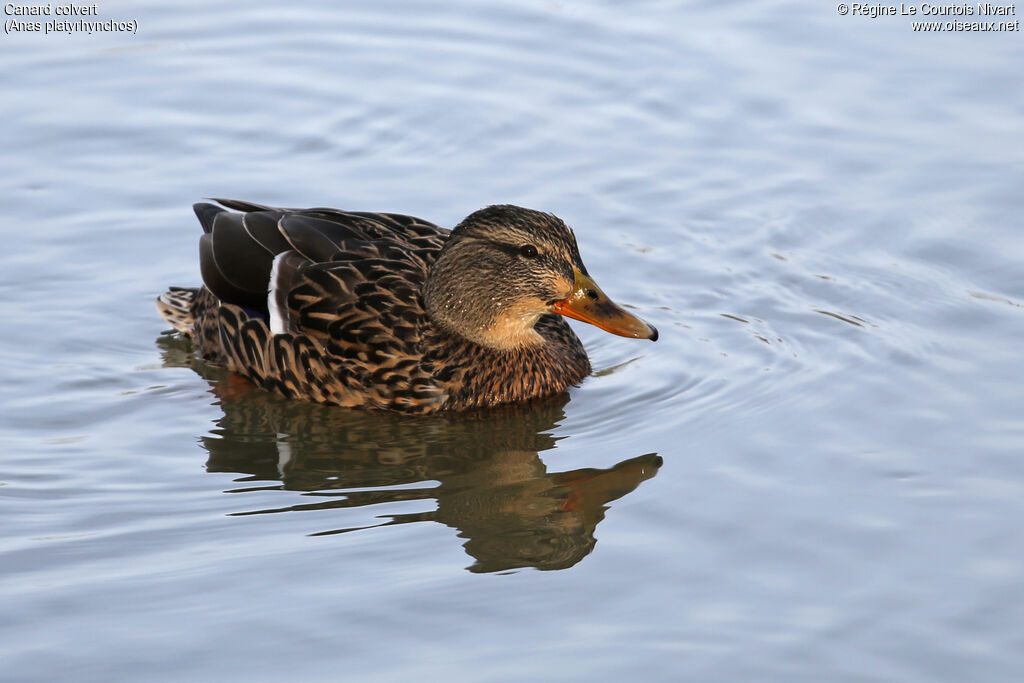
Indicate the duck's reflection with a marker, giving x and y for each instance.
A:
(483, 469)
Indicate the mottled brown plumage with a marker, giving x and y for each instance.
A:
(387, 311)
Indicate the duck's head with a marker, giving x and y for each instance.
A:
(504, 267)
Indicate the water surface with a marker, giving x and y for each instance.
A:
(815, 474)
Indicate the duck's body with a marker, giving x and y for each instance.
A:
(392, 312)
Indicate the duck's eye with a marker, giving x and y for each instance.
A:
(528, 250)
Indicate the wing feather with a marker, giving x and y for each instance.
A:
(263, 229)
(242, 260)
(218, 283)
(206, 212)
(316, 239)
(339, 292)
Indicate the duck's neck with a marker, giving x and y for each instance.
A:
(490, 377)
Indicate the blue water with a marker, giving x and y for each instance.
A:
(816, 473)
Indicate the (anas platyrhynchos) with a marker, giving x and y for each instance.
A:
(381, 310)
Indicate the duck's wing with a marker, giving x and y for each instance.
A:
(352, 281)
(238, 249)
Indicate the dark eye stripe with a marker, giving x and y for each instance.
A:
(507, 248)
(517, 249)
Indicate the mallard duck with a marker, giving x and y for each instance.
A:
(385, 311)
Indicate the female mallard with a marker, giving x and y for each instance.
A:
(380, 310)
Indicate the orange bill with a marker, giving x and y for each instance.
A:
(588, 303)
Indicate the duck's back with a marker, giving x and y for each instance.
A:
(318, 304)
